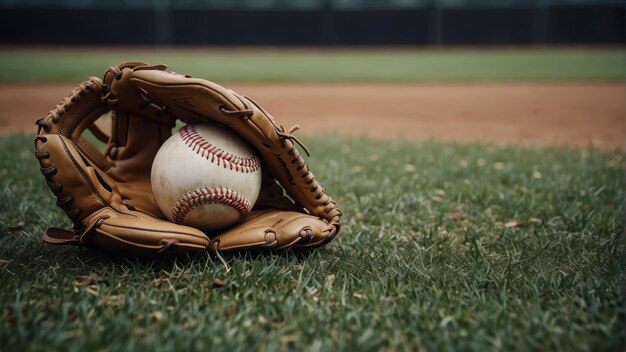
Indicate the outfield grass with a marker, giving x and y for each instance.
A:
(427, 258)
(325, 66)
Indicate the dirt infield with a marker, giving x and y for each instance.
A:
(526, 114)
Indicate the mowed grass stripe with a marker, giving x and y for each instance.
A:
(454, 65)
(431, 256)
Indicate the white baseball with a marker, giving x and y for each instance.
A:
(206, 176)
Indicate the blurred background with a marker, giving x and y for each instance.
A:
(521, 72)
(312, 22)
(475, 146)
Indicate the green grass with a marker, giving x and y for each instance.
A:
(424, 261)
(325, 66)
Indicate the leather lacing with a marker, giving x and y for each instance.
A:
(288, 135)
(94, 223)
(148, 102)
(66, 104)
(64, 201)
(242, 114)
(106, 89)
(280, 130)
(43, 123)
(297, 160)
(167, 244)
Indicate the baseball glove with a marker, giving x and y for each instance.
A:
(108, 194)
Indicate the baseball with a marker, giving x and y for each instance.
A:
(206, 176)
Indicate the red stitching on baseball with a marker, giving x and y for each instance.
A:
(201, 146)
(219, 195)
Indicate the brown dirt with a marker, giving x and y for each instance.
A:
(526, 114)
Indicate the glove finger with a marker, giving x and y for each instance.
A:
(273, 229)
(138, 234)
(79, 188)
(91, 200)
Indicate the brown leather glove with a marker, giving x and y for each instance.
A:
(108, 195)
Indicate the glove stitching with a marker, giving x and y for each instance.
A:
(205, 195)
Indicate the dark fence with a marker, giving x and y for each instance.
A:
(430, 25)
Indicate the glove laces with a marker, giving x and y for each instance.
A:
(242, 114)
(65, 105)
(280, 130)
(288, 135)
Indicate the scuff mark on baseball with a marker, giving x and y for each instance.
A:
(206, 176)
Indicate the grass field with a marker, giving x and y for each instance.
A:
(443, 246)
(325, 66)
(466, 247)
